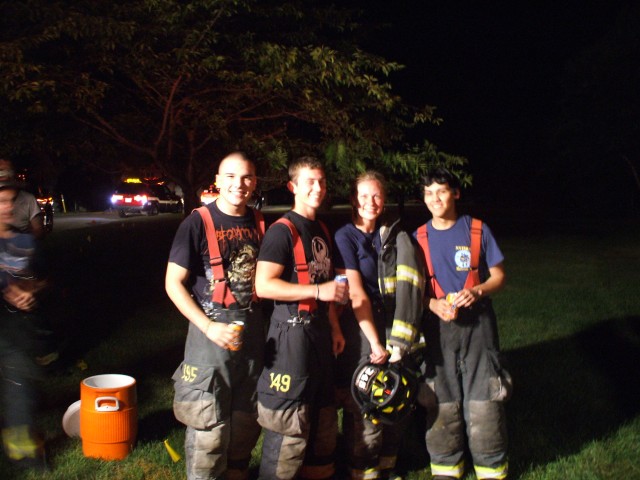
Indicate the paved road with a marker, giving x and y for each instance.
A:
(76, 220)
(71, 221)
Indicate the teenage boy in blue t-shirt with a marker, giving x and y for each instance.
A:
(463, 370)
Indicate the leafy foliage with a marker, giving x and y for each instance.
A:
(180, 84)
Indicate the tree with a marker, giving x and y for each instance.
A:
(181, 83)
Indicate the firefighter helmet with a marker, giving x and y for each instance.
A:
(385, 393)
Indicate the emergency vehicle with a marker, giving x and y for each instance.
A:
(137, 196)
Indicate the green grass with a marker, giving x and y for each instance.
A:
(569, 323)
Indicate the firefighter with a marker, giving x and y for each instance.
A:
(209, 278)
(296, 401)
(463, 365)
(386, 281)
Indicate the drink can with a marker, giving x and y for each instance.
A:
(236, 344)
(342, 279)
(453, 314)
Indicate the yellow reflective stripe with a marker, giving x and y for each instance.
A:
(368, 474)
(455, 471)
(497, 472)
(390, 284)
(387, 462)
(403, 330)
(408, 274)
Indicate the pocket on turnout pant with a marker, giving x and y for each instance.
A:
(194, 401)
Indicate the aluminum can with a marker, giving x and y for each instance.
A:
(342, 279)
(453, 313)
(236, 344)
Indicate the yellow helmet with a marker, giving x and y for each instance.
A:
(385, 393)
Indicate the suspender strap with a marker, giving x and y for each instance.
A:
(473, 277)
(302, 269)
(423, 240)
(221, 291)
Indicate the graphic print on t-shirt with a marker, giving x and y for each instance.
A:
(462, 258)
(320, 268)
(238, 245)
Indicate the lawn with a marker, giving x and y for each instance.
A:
(568, 318)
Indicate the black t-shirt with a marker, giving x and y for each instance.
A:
(277, 247)
(239, 241)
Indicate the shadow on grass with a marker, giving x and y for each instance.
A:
(573, 391)
(568, 393)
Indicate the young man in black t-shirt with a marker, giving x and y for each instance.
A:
(296, 404)
(215, 387)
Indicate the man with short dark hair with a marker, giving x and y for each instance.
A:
(296, 400)
(215, 386)
(468, 384)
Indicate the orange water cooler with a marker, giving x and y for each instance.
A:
(108, 416)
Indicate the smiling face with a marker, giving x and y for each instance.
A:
(369, 201)
(309, 188)
(236, 181)
(440, 199)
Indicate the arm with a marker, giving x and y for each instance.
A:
(270, 285)
(37, 225)
(336, 332)
(361, 305)
(175, 286)
(493, 284)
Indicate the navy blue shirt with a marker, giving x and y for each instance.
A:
(357, 250)
(450, 253)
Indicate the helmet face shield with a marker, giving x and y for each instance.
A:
(385, 393)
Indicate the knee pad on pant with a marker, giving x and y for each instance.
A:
(487, 433)
(445, 436)
(282, 456)
(206, 452)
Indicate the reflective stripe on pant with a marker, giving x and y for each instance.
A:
(465, 374)
(215, 397)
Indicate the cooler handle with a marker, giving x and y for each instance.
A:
(107, 408)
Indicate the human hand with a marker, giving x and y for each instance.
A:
(21, 299)
(222, 334)
(332, 291)
(338, 341)
(441, 308)
(467, 297)
(379, 354)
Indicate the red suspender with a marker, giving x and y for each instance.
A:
(473, 278)
(221, 293)
(302, 269)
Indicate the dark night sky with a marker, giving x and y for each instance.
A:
(493, 71)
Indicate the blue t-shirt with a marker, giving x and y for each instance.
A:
(451, 256)
(17, 254)
(357, 250)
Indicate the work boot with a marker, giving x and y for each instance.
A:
(24, 447)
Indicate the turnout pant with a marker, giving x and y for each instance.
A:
(371, 448)
(296, 404)
(215, 396)
(468, 387)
